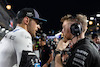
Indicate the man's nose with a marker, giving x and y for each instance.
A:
(38, 26)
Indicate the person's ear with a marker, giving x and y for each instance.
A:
(26, 20)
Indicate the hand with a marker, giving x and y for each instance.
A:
(62, 45)
(64, 57)
(45, 65)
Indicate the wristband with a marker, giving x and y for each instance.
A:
(57, 51)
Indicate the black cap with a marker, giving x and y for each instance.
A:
(29, 12)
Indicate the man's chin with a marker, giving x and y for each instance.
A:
(34, 35)
(65, 39)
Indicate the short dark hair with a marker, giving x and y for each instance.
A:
(19, 21)
(43, 39)
(94, 36)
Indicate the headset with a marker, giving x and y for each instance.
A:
(76, 29)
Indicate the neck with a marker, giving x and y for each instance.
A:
(81, 36)
(23, 26)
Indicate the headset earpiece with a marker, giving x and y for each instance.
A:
(76, 29)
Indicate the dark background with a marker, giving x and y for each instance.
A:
(53, 10)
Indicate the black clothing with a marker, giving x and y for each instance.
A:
(84, 54)
(28, 59)
(45, 54)
(54, 45)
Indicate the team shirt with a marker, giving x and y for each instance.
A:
(12, 45)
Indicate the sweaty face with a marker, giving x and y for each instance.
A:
(66, 30)
(33, 27)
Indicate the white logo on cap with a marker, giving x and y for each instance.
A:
(29, 14)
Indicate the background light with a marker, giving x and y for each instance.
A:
(91, 32)
(97, 28)
(6, 31)
(3, 29)
(97, 15)
(90, 22)
(91, 18)
(8, 7)
(97, 24)
(87, 20)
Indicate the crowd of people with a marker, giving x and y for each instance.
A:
(18, 49)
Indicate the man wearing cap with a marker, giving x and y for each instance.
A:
(20, 38)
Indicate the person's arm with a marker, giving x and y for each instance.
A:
(51, 58)
(22, 42)
(48, 62)
(58, 61)
(61, 46)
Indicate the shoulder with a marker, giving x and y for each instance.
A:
(48, 48)
(84, 44)
(21, 33)
(88, 50)
(9, 36)
(84, 54)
